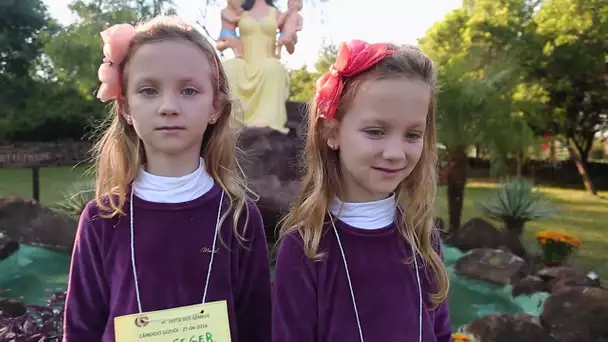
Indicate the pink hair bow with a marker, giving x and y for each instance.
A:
(116, 43)
(353, 58)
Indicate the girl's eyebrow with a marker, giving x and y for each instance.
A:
(152, 80)
(382, 122)
(375, 121)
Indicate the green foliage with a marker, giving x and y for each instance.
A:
(559, 48)
(327, 56)
(20, 24)
(301, 85)
(597, 152)
(76, 198)
(510, 70)
(516, 200)
(75, 50)
(302, 82)
(572, 66)
(57, 100)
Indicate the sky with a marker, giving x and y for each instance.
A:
(396, 21)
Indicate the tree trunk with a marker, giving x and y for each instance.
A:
(456, 170)
(518, 164)
(516, 226)
(580, 165)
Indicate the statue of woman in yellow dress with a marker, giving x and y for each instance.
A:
(258, 80)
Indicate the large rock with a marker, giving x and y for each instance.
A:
(275, 197)
(12, 307)
(552, 280)
(492, 265)
(479, 233)
(270, 163)
(268, 152)
(8, 246)
(297, 113)
(529, 285)
(572, 314)
(507, 328)
(28, 222)
(577, 314)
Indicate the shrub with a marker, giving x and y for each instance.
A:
(515, 203)
(76, 198)
(597, 152)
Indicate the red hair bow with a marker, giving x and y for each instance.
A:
(353, 58)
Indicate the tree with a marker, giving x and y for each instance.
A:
(75, 51)
(302, 85)
(57, 99)
(20, 25)
(573, 69)
(302, 82)
(477, 50)
(471, 109)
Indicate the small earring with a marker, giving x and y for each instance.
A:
(212, 121)
(332, 146)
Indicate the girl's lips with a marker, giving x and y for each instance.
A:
(387, 170)
(170, 128)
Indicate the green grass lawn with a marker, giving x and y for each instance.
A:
(55, 182)
(581, 214)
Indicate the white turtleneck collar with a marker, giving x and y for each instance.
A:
(162, 189)
(366, 215)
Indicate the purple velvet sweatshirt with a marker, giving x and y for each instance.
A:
(312, 301)
(173, 244)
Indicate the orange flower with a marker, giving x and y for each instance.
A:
(546, 236)
(460, 337)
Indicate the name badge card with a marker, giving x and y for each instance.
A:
(195, 323)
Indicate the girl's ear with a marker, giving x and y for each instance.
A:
(218, 109)
(125, 112)
(331, 132)
(214, 116)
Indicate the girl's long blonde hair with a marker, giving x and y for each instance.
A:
(416, 193)
(119, 152)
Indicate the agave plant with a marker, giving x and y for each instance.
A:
(76, 198)
(515, 203)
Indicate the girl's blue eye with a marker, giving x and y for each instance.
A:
(414, 136)
(374, 133)
(190, 91)
(148, 91)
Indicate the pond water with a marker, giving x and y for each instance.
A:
(32, 273)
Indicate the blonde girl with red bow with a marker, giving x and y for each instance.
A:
(171, 230)
(359, 256)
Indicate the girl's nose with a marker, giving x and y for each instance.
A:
(169, 106)
(394, 150)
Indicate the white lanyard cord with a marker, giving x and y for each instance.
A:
(350, 285)
(352, 292)
(217, 227)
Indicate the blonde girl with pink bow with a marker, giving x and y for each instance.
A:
(359, 257)
(171, 226)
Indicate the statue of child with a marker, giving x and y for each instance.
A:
(231, 14)
(292, 22)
